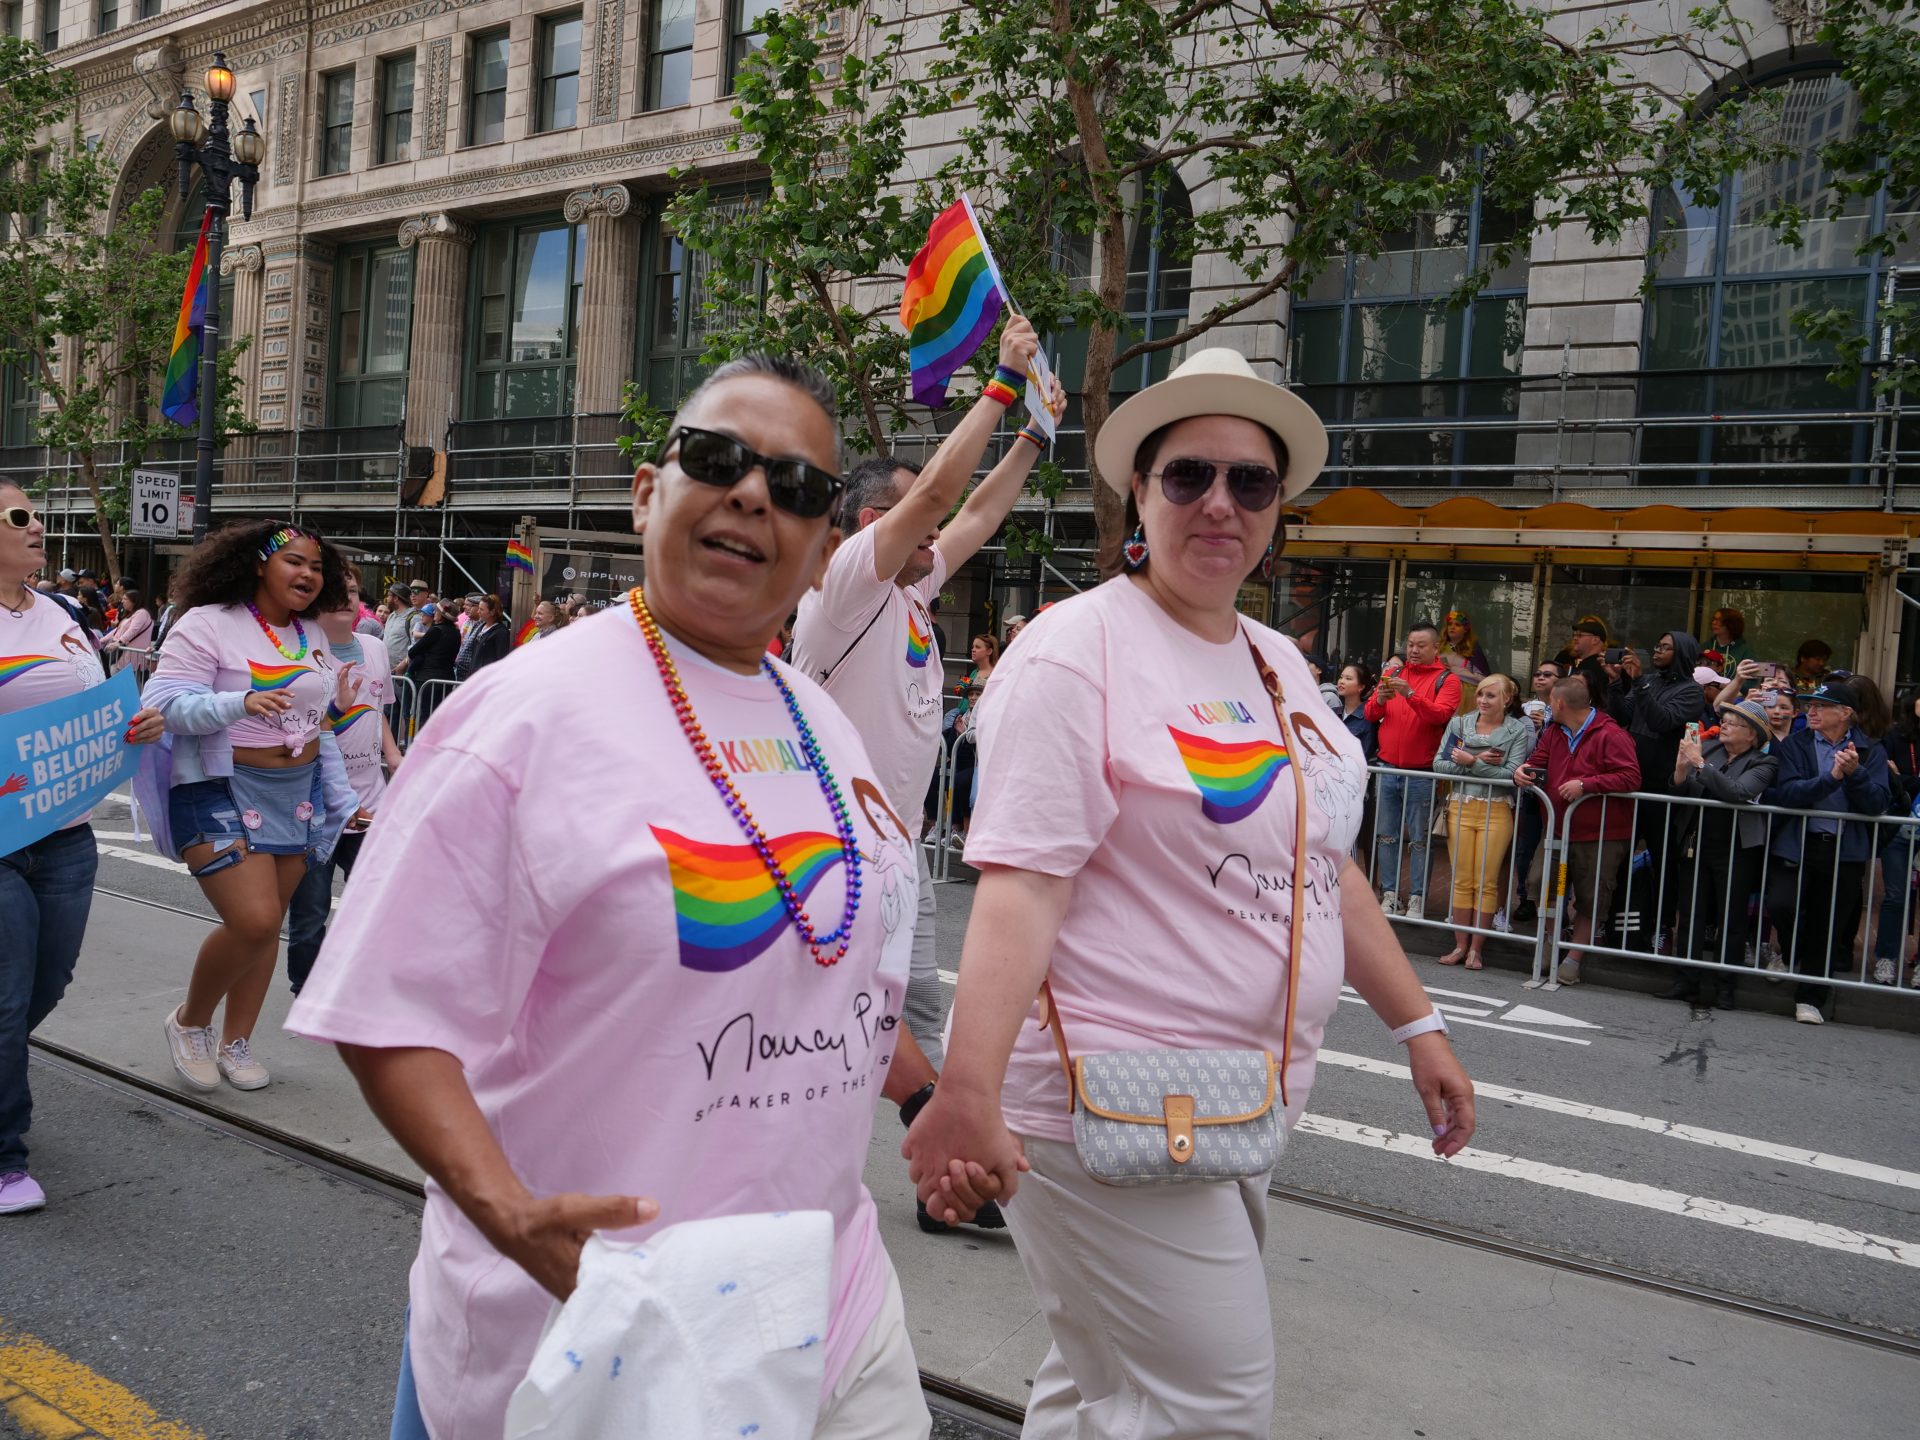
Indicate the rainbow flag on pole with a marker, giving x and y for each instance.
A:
(180, 402)
(526, 634)
(951, 300)
(519, 556)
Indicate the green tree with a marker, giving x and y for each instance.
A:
(87, 307)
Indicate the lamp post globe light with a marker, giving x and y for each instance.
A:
(222, 158)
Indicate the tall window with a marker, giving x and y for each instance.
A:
(10, 18)
(109, 15)
(336, 123)
(1375, 346)
(49, 25)
(1725, 292)
(742, 15)
(21, 401)
(396, 109)
(373, 300)
(527, 283)
(487, 89)
(149, 8)
(37, 221)
(670, 55)
(675, 318)
(559, 72)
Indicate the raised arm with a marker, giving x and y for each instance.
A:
(922, 509)
(993, 497)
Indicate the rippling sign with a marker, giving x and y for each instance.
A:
(58, 759)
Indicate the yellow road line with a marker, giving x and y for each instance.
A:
(53, 1398)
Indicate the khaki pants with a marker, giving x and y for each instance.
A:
(878, 1396)
(1478, 834)
(1157, 1301)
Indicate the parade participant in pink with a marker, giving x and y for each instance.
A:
(46, 888)
(252, 785)
(664, 983)
(1165, 827)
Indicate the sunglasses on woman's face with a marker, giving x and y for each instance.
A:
(1253, 487)
(17, 517)
(800, 489)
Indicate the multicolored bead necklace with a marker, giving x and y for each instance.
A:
(298, 629)
(839, 938)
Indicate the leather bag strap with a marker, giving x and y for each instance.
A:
(1050, 1012)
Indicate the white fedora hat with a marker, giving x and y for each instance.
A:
(1214, 382)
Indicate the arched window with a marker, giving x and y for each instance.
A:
(1726, 289)
(1375, 347)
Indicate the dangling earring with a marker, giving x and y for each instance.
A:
(1266, 563)
(1135, 550)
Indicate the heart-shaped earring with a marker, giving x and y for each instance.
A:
(1266, 563)
(1135, 550)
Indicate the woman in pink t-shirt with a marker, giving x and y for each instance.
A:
(1139, 832)
(698, 1006)
(256, 787)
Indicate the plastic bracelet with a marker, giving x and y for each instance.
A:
(1432, 1020)
(1027, 432)
(1013, 379)
(999, 392)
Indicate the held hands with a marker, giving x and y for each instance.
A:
(1018, 343)
(953, 1125)
(545, 1237)
(266, 702)
(1443, 1087)
(147, 726)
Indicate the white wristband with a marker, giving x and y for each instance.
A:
(1432, 1020)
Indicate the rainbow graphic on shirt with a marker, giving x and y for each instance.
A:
(12, 667)
(919, 642)
(273, 677)
(725, 901)
(341, 721)
(1233, 776)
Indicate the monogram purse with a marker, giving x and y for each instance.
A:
(1161, 1117)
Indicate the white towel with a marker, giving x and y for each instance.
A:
(712, 1328)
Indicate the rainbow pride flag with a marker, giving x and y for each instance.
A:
(180, 402)
(526, 634)
(519, 556)
(1233, 777)
(725, 901)
(950, 303)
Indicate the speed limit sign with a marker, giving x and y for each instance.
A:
(156, 504)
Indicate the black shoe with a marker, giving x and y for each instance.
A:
(1526, 913)
(988, 1218)
(1724, 1000)
(930, 1225)
(1685, 988)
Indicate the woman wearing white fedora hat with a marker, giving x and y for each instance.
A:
(1143, 877)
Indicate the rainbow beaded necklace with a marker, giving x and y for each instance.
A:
(299, 630)
(840, 937)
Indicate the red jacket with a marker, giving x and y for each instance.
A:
(1604, 762)
(1411, 725)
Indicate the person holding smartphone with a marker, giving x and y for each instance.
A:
(1490, 746)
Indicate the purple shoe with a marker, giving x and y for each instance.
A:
(20, 1192)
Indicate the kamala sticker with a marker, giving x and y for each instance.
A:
(251, 819)
(303, 812)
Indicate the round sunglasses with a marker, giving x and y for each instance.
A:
(1185, 480)
(802, 490)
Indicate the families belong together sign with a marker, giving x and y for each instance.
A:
(58, 759)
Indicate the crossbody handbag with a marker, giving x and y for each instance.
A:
(1159, 1117)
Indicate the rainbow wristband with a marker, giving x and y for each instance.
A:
(1013, 379)
(1028, 432)
(1000, 392)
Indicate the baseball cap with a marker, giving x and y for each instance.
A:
(67, 575)
(429, 609)
(1835, 693)
(1016, 620)
(1754, 713)
(1707, 675)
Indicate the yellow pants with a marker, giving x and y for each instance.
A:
(1478, 834)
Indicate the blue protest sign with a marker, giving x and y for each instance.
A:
(58, 759)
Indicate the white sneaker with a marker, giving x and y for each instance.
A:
(1501, 923)
(1416, 907)
(1883, 973)
(1776, 963)
(1809, 1015)
(1569, 972)
(1390, 902)
(1913, 980)
(243, 1072)
(192, 1048)
(1746, 957)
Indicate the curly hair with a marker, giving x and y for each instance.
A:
(221, 570)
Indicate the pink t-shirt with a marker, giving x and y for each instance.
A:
(612, 966)
(1146, 764)
(889, 683)
(224, 648)
(44, 656)
(357, 728)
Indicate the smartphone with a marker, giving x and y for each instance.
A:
(1615, 655)
(1693, 731)
(1771, 673)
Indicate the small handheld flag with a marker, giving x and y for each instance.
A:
(526, 634)
(950, 302)
(519, 557)
(180, 401)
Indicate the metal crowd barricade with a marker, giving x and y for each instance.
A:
(1417, 815)
(428, 695)
(938, 840)
(403, 710)
(1704, 901)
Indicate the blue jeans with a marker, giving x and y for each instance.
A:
(46, 890)
(408, 1424)
(1896, 908)
(1406, 807)
(312, 903)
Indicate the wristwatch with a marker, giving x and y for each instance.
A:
(1432, 1020)
(911, 1107)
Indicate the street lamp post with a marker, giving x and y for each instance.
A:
(197, 141)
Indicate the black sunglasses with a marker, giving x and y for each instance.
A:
(19, 517)
(1253, 487)
(712, 458)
